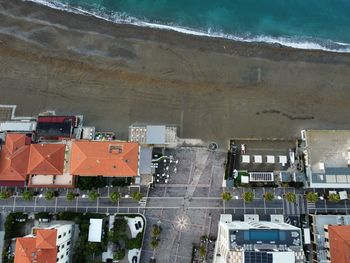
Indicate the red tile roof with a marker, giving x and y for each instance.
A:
(46, 159)
(40, 249)
(339, 243)
(112, 158)
(14, 158)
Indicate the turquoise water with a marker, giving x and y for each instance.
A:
(309, 24)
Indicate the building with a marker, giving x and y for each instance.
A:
(153, 134)
(338, 244)
(327, 158)
(95, 230)
(55, 127)
(330, 237)
(255, 241)
(57, 163)
(105, 158)
(45, 245)
(257, 162)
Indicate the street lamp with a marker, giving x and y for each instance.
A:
(83, 196)
(279, 197)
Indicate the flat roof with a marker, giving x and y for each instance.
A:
(95, 230)
(327, 156)
(155, 134)
(25, 126)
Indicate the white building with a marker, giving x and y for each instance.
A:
(257, 241)
(327, 158)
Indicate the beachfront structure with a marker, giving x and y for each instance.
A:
(255, 241)
(256, 162)
(330, 236)
(49, 245)
(57, 163)
(327, 158)
(153, 134)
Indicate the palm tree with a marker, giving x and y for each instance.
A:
(202, 251)
(248, 196)
(70, 196)
(93, 195)
(154, 243)
(4, 195)
(49, 195)
(268, 196)
(27, 195)
(115, 196)
(137, 196)
(291, 197)
(312, 197)
(156, 230)
(334, 197)
(226, 196)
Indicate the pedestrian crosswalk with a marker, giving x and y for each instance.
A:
(296, 208)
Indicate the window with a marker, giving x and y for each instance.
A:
(64, 234)
(69, 232)
(61, 256)
(67, 253)
(57, 259)
(62, 246)
(59, 236)
(68, 243)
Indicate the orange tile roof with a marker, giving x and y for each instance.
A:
(112, 158)
(46, 238)
(46, 159)
(40, 249)
(14, 158)
(339, 243)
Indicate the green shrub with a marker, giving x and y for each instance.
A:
(5, 195)
(312, 197)
(27, 195)
(49, 195)
(226, 196)
(134, 242)
(137, 196)
(334, 198)
(248, 196)
(115, 196)
(290, 197)
(93, 195)
(70, 196)
(268, 196)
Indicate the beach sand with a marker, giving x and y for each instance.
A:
(213, 89)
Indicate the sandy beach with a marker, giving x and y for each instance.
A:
(213, 89)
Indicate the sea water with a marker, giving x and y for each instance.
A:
(307, 24)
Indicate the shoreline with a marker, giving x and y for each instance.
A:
(212, 89)
(269, 40)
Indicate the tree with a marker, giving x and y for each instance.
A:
(248, 196)
(93, 195)
(154, 243)
(27, 195)
(156, 230)
(4, 195)
(291, 197)
(202, 251)
(137, 196)
(70, 196)
(226, 196)
(334, 197)
(115, 196)
(268, 196)
(312, 197)
(49, 195)
(119, 255)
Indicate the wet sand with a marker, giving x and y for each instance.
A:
(213, 89)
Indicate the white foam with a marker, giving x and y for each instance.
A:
(120, 18)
